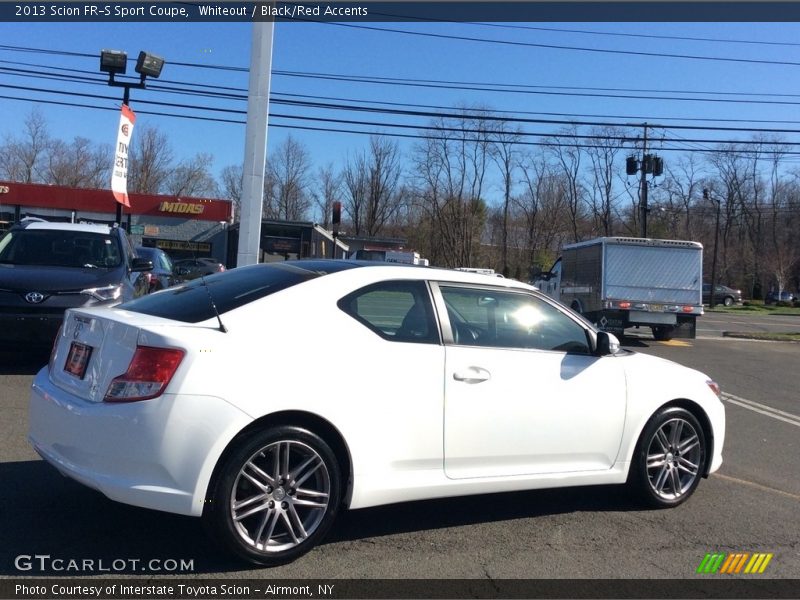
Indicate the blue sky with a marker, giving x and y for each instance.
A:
(334, 49)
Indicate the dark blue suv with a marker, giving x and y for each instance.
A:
(47, 267)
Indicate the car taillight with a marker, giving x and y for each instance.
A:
(714, 387)
(149, 373)
(221, 268)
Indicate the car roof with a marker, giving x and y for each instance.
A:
(400, 270)
(83, 227)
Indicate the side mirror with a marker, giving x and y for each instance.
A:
(607, 343)
(142, 264)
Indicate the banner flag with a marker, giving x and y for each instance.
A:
(119, 173)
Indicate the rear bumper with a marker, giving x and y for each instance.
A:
(157, 454)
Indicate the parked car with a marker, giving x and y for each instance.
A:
(723, 294)
(773, 297)
(207, 401)
(192, 268)
(47, 267)
(163, 273)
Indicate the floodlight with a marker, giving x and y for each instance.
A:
(113, 61)
(149, 65)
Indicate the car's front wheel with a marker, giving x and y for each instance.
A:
(669, 459)
(728, 301)
(276, 495)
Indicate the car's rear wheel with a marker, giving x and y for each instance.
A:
(670, 458)
(276, 495)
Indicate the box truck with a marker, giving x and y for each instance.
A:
(619, 282)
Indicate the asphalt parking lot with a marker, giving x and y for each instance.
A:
(751, 505)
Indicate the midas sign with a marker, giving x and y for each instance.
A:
(181, 208)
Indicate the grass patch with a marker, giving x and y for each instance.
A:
(771, 337)
(755, 309)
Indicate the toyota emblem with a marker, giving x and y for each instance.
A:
(34, 297)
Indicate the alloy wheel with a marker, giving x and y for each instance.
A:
(280, 496)
(674, 458)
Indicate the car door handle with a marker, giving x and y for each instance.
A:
(472, 375)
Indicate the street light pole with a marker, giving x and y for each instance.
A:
(707, 196)
(115, 62)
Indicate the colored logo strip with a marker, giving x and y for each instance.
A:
(734, 563)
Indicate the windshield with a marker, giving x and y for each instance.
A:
(59, 248)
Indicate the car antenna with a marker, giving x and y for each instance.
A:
(213, 304)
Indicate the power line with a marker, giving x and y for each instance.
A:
(551, 142)
(572, 91)
(638, 35)
(433, 114)
(438, 82)
(562, 47)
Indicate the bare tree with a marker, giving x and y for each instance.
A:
(451, 166)
(735, 183)
(683, 188)
(21, 159)
(356, 189)
(384, 171)
(327, 192)
(288, 171)
(150, 161)
(602, 154)
(543, 208)
(568, 154)
(503, 151)
(193, 177)
(80, 164)
(232, 187)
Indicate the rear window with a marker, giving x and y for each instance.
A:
(191, 303)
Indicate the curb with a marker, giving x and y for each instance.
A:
(767, 337)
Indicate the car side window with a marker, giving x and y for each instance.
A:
(504, 319)
(399, 311)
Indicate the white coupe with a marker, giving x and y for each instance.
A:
(266, 398)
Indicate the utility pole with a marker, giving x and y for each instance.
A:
(643, 184)
(650, 164)
(717, 203)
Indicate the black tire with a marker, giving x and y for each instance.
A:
(662, 333)
(283, 512)
(670, 458)
(728, 301)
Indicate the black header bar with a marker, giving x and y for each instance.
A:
(369, 11)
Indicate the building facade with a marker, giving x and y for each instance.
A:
(183, 227)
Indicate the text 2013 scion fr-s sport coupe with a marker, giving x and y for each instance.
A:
(267, 397)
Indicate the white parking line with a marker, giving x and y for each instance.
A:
(734, 339)
(762, 409)
(766, 488)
